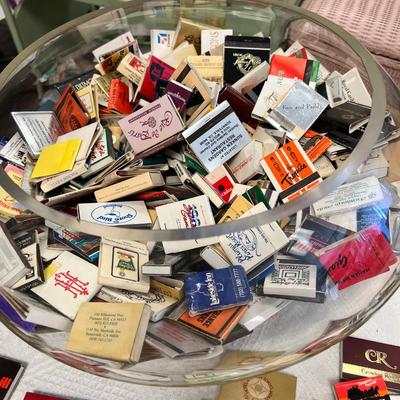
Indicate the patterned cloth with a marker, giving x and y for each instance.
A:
(376, 23)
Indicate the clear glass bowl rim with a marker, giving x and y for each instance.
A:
(357, 156)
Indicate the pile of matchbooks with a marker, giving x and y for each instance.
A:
(189, 134)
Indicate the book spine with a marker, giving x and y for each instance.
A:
(125, 188)
(9, 311)
(166, 290)
(111, 298)
(52, 183)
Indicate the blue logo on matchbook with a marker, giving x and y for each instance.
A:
(163, 38)
(244, 245)
(113, 214)
(217, 289)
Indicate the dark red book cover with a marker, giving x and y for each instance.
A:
(37, 396)
(180, 95)
(365, 358)
(359, 257)
(242, 106)
(156, 69)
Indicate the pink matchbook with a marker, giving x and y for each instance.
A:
(152, 124)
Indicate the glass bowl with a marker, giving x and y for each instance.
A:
(301, 329)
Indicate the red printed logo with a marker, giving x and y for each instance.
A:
(5, 382)
(71, 284)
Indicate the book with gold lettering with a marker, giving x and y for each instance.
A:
(362, 358)
(242, 54)
(179, 94)
(252, 79)
(110, 330)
